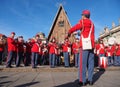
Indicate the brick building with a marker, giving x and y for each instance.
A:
(60, 26)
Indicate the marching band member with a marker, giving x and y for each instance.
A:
(40, 52)
(117, 55)
(100, 49)
(108, 50)
(11, 49)
(66, 49)
(87, 53)
(76, 51)
(57, 56)
(1, 49)
(52, 52)
(44, 54)
(20, 51)
(113, 48)
(35, 52)
(28, 45)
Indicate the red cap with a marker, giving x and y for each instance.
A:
(13, 33)
(36, 35)
(85, 12)
(20, 37)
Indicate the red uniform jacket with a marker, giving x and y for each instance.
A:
(11, 44)
(113, 49)
(16, 48)
(66, 46)
(28, 47)
(58, 52)
(1, 48)
(75, 47)
(100, 49)
(109, 51)
(52, 48)
(35, 48)
(118, 50)
(20, 47)
(86, 23)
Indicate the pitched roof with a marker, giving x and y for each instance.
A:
(55, 19)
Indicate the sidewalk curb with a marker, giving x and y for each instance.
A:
(48, 69)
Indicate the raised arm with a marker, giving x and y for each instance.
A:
(78, 26)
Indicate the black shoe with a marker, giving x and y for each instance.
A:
(82, 83)
(34, 67)
(66, 66)
(90, 82)
(17, 66)
(52, 67)
(9, 67)
(26, 65)
(76, 66)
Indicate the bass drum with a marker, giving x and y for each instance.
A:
(111, 41)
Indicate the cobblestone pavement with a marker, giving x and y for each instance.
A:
(58, 77)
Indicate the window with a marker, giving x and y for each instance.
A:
(61, 23)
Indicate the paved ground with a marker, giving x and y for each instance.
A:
(58, 77)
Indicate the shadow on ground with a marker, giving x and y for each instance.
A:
(2, 83)
(96, 76)
(2, 77)
(70, 84)
(27, 84)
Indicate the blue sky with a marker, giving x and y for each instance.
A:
(27, 17)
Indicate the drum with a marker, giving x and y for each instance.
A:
(111, 41)
(103, 62)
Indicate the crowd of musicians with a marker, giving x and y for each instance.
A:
(33, 52)
(87, 53)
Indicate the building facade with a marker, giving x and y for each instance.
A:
(111, 36)
(60, 26)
